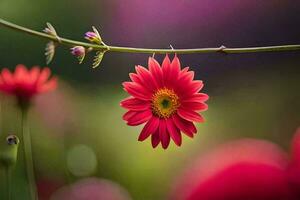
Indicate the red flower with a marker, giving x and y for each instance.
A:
(243, 170)
(24, 84)
(167, 99)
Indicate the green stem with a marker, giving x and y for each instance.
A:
(8, 181)
(28, 154)
(221, 49)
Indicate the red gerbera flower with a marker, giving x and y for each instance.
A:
(166, 98)
(24, 83)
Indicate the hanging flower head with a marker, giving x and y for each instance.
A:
(167, 99)
(24, 83)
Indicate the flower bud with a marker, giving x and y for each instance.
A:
(9, 150)
(92, 37)
(50, 30)
(79, 52)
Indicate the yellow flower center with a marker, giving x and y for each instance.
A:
(164, 103)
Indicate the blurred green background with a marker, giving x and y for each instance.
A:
(78, 132)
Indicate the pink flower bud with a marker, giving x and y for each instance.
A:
(78, 51)
(92, 37)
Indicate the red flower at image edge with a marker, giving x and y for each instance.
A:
(246, 169)
(166, 98)
(24, 83)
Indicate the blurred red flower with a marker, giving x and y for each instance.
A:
(167, 99)
(24, 83)
(246, 169)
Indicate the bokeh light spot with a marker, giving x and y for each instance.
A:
(81, 160)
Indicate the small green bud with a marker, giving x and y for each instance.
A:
(9, 150)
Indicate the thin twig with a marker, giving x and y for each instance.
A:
(221, 49)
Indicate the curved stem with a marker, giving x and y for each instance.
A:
(221, 49)
(28, 154)
(8, 181)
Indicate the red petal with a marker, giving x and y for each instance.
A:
(185, 126)
(166, 69)
(156, 71)
(48, 86)
(175, 67)
(146, 78)
(199, 106)
(195, 86)
(163, 134)
(186, 77)
(21, 74)
(171, 71)
(189, 89)
(174, 132)
(137, 90)
(198, 97)
(175, 64)
(155, 139)
(184, 70)
(4, 87)
(128, 114)
(166, 62)
(184, 85)
(7, 76)
(139, 118)
(135, 78)
(132, 103)
(149, 128)
(33, 75)
(44, 75)
(190, 115)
